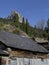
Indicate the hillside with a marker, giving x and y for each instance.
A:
(17, 24)
(12, 28)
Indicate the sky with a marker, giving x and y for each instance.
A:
(33, 10)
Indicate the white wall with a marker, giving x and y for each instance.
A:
(27, 61)
(40, 62)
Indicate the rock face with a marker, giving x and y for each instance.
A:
(12, 14)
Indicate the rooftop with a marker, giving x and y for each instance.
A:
(41, 40)
(3, 53)
(20, 42)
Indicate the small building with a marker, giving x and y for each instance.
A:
(43, 42)
(22, 50)
(3, 54)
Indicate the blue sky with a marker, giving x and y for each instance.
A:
(34, 10)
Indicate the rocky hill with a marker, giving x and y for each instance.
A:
(17, 24)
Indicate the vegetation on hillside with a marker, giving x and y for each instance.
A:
(15, 26)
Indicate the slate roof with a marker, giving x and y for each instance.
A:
(41, 40)
(20, 42)
(3, 53)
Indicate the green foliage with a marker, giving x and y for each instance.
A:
(23, 24)
(36, 31)
(47, 30)
(5, 29)
(27, 26)
(48, 36)
(48, 24)
(16, 31)
(16, 20)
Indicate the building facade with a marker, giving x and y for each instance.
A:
(21, 50)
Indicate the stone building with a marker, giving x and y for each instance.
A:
(21, 50)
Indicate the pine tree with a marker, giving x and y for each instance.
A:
(27, 26)
(48, 24)
(23, 24)
(16, 20)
